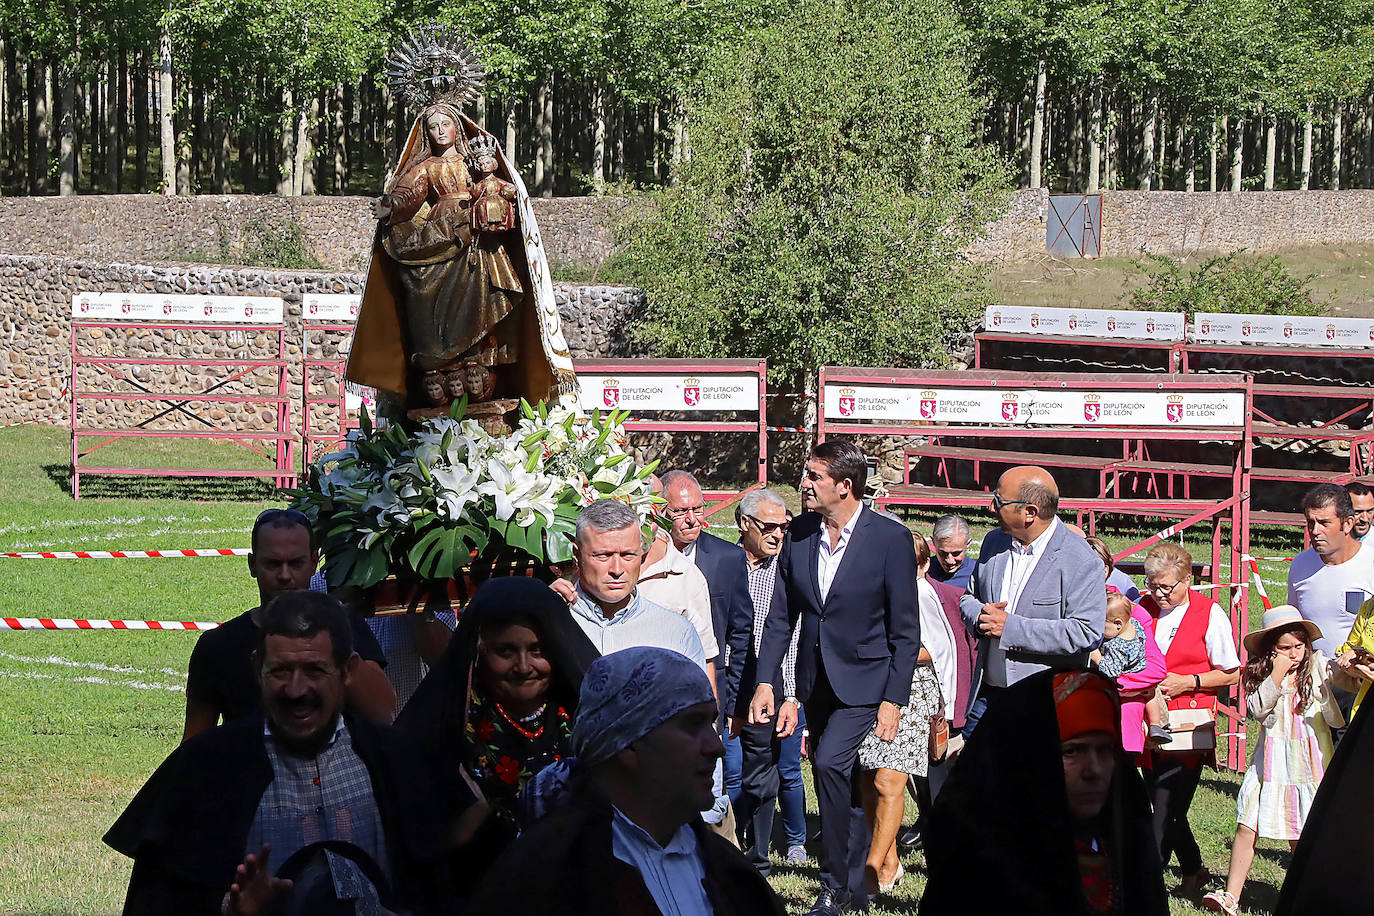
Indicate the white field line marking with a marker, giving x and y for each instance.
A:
(104, 540)
(92, 666)
(118, 521)
(89, 679)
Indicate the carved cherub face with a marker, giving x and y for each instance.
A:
(434, 388)
(441, 130)
(477, 380)
(486, 164)
(453, 383)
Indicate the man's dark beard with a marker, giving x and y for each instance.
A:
(308, 746)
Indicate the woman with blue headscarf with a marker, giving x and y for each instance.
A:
(622, 833)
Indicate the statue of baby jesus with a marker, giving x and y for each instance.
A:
(492, 210)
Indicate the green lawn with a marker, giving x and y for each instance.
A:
(88, 715)
(1347, 271)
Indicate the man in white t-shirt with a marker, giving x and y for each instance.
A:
(1362, 500)
(1329, 581)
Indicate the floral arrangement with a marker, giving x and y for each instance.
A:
(420, 505)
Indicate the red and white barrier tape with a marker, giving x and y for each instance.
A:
(17, 382)
(127, 554)
(1259, 583)
(68, 623)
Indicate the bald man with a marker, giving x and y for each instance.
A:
(1036, 599)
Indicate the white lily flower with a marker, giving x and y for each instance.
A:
(507, 484)
(457, 486)
(541, 500)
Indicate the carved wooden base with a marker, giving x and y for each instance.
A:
(490, 415)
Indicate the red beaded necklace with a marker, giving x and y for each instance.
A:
(528, 734)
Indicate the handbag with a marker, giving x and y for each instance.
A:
(1191, 730)
(939, 736)
(939, 730)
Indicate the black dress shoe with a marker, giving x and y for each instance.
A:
(910, 838)
(830, 903)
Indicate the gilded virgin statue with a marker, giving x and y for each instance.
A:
(458, 298)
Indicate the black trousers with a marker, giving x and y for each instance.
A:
(1171, 780)
(760, 748)
(836, 731)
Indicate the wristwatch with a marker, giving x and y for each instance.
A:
(792, 700)
(1197, 682)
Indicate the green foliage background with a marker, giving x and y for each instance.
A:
(834, 183)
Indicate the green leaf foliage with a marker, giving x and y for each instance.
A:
(1225, 283)
(833, 186)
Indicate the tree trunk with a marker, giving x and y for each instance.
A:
(183, 140)
(305, 146)
(166, 104)
(111, 180)
(511, 138)
(1270, 149)
(1305, 181)
(543, 170)
(66, 128)
(39, 115)
(338, 107)
(1147, 143)
(219, 133)
(286, 151)
(1037, 142)
(1189, 155)
(1237, 152)
(618, 147)
(598, 139)
(1369, 143)
(1095, 142)
(1212, 153)
(1337, 123)
(14, 114)
(141, 127)
(655, 140)
(248, 158)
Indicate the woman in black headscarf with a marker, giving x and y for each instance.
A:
(500, 702)
(1044, 816)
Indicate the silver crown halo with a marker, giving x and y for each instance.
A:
(482, 145)
(435, 63)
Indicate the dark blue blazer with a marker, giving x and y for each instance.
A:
(867, 632)
(726, 569)
(743, 662)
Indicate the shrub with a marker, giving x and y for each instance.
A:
(1224, 283)
(833, 184)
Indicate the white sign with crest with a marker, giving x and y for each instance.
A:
(1350, 333)
(1034, 407)
(631, 391)
(190, 309)
(1113, 323)
(336, 307)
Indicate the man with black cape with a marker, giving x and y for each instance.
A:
(1044, 815)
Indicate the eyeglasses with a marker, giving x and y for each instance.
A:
(998, 502)
(1162, 589)
(767, 528)
(685, 511)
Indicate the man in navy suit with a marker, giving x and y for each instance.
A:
(850, 577)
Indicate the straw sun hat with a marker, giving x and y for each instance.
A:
(1284, 615)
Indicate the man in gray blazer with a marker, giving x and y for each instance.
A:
(1038, 596)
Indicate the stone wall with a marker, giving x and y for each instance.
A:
(143, 228)
(35, 322)
(1177, 223)
(577, 231)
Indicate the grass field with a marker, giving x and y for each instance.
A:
(1343, 272)
(88, 715)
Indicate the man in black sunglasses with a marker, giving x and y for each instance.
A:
(220, 680)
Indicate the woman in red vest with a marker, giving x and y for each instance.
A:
(1200, 658)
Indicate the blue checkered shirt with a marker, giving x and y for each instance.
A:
(763, 578)
(327, 797)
